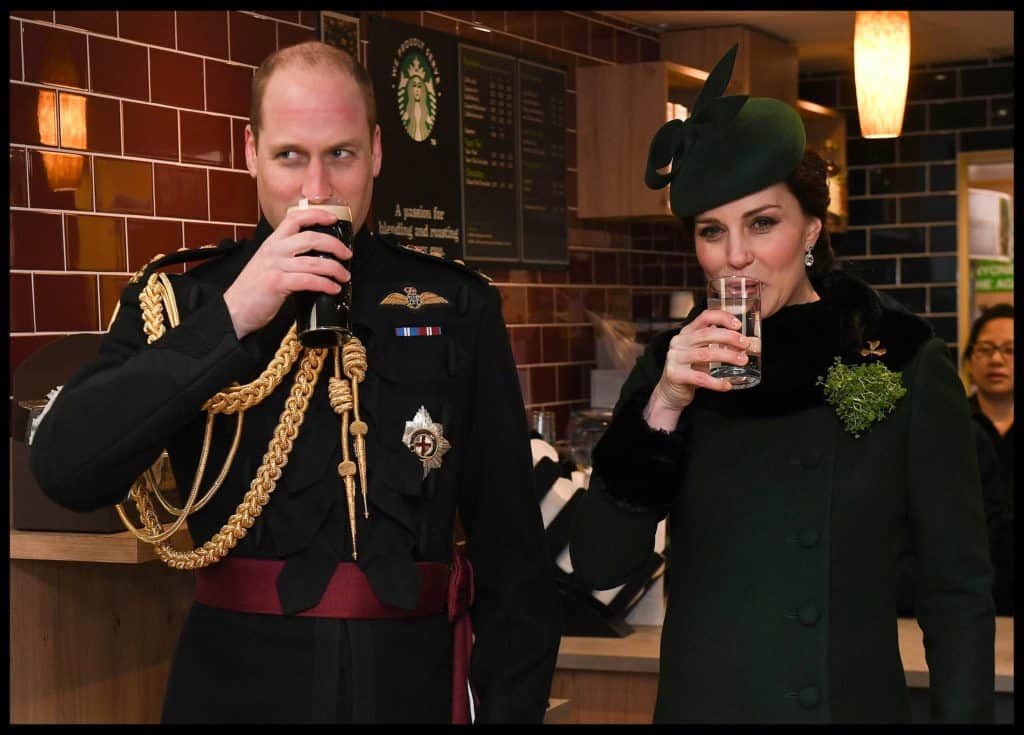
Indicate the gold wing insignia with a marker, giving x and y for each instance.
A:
(429, 297)
(394, 299)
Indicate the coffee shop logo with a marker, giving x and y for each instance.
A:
(416, 82)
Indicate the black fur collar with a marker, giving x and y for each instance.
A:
(800, 343)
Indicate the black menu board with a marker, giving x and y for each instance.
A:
(489, 192)
(542, 164)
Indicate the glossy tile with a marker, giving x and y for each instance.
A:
(21, 317)
(543, 386)
(198, 234)
(291, 16)
(494, 19)
(581, 344)
(289, 35)
(55, 56)
(524, 383)
(33, 115)
(540, 305)
(95, 243)
(176, 79)
(97, 21)
(44, 15)
(233, 197)
(148, 26)
(554, 344)
(252, 39)
(17, 172)
(513, 304)
(227, 88)
(66, 303)
(180, 191)
(310, 18)
(124, 186)
(14, 48)
(111, 288)
(205, 138)
(101, 132)
(203, 32)
(525, 343)
(37, 241)
(150, 131)
(118, 68)
(571, 382)
(46, 188)
(148, 238)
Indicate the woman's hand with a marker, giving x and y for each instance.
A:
(711, 337)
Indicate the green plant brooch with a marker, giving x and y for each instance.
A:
(862, 394)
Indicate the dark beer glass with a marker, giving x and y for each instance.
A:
(323, 319)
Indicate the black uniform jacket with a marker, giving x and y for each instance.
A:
(787, 533)
(116, 415)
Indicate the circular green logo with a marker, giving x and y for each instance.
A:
(417, 95)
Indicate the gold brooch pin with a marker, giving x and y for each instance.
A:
(412, 299)
(874, 348)
(426, 440)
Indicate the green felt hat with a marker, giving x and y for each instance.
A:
(728, 148)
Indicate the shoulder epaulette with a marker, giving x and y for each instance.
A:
(434, 254)
(185, 255)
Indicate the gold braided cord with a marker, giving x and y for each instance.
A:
(340, 395)
(353, 358)
(263, 484)
(243, 397)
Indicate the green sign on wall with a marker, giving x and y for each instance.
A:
(993, 275)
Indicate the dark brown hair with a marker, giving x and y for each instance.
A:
(311, 54)
(809, 184)
(996, 311)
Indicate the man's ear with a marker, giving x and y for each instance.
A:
(250, 150)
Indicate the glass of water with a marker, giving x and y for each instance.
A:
(741, 297)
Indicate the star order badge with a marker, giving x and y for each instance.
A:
(413, 299)
(426, 440)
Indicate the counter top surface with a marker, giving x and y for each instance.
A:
(638, 652)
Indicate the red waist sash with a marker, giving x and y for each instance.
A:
(250, 585)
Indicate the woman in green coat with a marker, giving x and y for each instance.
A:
(793, 505)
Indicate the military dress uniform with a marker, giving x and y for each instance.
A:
(787, 533)
(440, 369)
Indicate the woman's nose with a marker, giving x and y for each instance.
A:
(738, 254)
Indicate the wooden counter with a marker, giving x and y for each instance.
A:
(615, 679)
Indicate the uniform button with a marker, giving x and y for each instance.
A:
(809, 538)
(808, 614)
(809, 697)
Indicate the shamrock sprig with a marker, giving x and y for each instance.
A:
(862, 394)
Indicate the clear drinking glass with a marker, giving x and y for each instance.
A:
(741, 297)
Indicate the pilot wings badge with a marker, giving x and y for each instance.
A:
(413, 299)
(425, 439)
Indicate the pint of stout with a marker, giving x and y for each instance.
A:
(323, 319)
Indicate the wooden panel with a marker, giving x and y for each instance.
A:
(826, 136)
(607, 696)
(116, 548)
(765, 66)
(92, 643)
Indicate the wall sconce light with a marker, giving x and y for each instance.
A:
(63, 170)
(881, 60)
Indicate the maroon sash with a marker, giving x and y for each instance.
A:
(249, 585)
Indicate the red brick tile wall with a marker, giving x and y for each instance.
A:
(166, 97)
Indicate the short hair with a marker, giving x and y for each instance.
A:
(310, 54)
(809, 184)
(996, 311)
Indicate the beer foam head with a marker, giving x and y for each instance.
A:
(341, 211)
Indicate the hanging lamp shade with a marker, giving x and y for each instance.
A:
(881, 59)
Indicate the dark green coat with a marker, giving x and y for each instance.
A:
(787, 534)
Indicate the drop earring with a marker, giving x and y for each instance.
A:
(809, 257)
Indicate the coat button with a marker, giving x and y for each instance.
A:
(809, 697)
(809, 538)
(808, 614)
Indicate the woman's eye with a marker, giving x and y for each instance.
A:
(709, 232)
(763, 223)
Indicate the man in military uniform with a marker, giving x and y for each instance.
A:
(311, 608)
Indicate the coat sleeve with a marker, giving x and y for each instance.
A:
(517, 611)
(112, 419)
(637, 473)
(953, 597)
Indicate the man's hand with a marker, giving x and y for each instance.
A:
(278, 269)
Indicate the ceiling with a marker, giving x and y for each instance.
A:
(824, 38)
